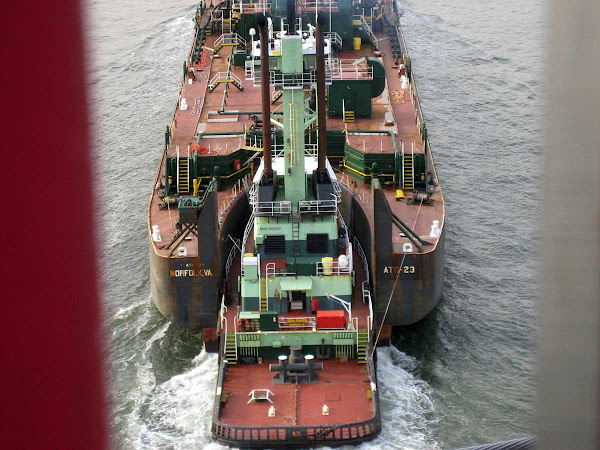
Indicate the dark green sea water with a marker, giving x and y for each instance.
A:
(463, 375)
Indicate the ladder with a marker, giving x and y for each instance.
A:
(264, 298)
(230, 348)
(225, 24)
(184, 176)
(361, 346)
(392, 31)
(408, 175)
(349, 116)
(296, 236)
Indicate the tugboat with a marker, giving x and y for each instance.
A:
(296, 215)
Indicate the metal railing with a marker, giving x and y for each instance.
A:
(348, 69)
(286, 80)
(230, 259)
(271, 271)
(223, 77)
(362, 256)
(297, 435)
(317, 206)
(368, 29)
(222, 312)
(283, 207)
(367, 299)
(333, 268)
(247, 231)
(334, 38)
(230, 39)
(253, 7)
(272, 208)
(317, 5)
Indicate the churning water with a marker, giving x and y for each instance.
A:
(463, 375)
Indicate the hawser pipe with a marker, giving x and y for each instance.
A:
(266, 99)
(404, 230)
(321, 111)
(409, 229)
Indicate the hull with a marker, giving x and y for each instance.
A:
(414, 281)
(416, 293)
(186, 290)
(176, 286)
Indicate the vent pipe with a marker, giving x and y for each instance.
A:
(321, 110)
(291, 17)
(266, 100)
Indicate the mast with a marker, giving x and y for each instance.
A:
(266, 101)
(292, 83)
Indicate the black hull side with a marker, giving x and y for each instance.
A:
(416, 294)
(187, 291)
(418, 291)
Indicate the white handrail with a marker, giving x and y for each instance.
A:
(346, 305)
(230, 38)
(247, 230)
(362, 256)
(334, 268)
(177, 169)
(368, 29)
(224, 76)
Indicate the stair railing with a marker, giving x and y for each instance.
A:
(177, 169)
(368, 29)
(412, 157)
(367, 298)
(188, 170)
(247, 230)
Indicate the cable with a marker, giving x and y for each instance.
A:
(393, 289)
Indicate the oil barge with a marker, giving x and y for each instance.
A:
(296, 215)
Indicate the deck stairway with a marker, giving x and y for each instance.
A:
(204, 183)
(230, 348)
(277, 96)
(224, 77)
(362, 21)
(361, 347)
(392, 31)
(408, 172)
(349, 116)
(229, 40)
(264, 299)
(184, 176)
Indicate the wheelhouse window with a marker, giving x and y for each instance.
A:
(274, 244)
(317, 243)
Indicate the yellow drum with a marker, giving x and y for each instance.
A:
(356, 43)
(327, 262)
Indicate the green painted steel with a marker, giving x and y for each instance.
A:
(378, 76)
(293, 121)
(304, 338)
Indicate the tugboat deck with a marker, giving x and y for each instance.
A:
(342, 386)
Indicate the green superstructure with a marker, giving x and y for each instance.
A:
(301, 258)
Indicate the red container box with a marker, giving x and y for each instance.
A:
(331, 319)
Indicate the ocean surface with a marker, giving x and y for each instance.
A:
(462, 376)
